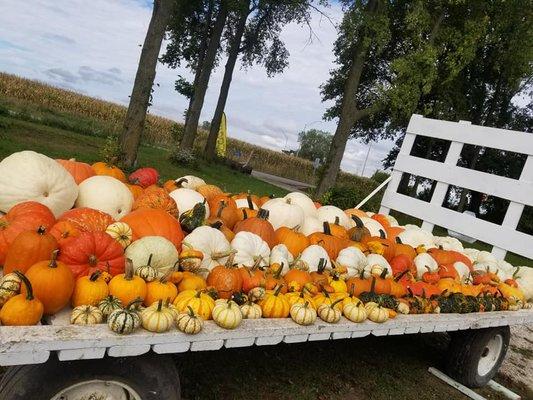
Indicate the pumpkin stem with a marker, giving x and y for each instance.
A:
(95, 275)
(337, 221)
(191, 311)
(277, 274)
(373, 285)
(382, 234)
(180, 181)
(221, 207)
(327, 229)
(134, 303)
(278, 289)
(400, 275)
(358, 221)
(159, 305)
(250, 202)
(149, 260)
(398, 240)
(216, 224)
(41, 230)
(231, 257)
(384, 273)
(321, 265)
(336, 302)
(27, 284)
(263, 214)
(306, 304)
(256, 263)
(53, 260)
(128, 270)
(244, 214)
(351, 290)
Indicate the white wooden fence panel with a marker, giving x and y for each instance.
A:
(518, 191)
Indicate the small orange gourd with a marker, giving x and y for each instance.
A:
(22, 309)
(127, 287)
(89, 290)
(160, 289)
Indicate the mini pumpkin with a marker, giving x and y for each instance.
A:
(86, 315)
(160, 289)
(329, 313)
(109, 304)
(303, 314)
(275, 304)
(190, 259)
(198, 300)
(376, 313)
(126, 320)
(127, 286)
(189, 322)
(9, 287)
(121, 232)
(147, 272)
(226, 279)
(89, 290)
(22, 309)
(157, 318)
(355, 312)
(251, 310)
(227, 314)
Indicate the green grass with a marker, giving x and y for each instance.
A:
(17, 135)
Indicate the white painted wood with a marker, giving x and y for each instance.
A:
(503, 390)
(32, 344)
(518, 142)
(463, 389)
(89, 353)
(373, 193)
(518, 191)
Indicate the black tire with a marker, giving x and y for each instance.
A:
(468, 348)
(151, 376)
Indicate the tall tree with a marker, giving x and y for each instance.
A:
(314, 144)
(130, 137)
(256, 42)
(388, 54)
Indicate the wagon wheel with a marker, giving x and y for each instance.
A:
(475, 356)
(147, 377)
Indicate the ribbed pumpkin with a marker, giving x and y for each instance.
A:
(52, 282)
(223, 209)
(9, 287)
(27, 216)
(359, 231)
(332, 244)
(102, 168)
(64, 231)
(189, 322)
(226, 279)
(337, 230)
(22, 309)
(121, 232)
(258, 225)
(125, 320)
(299, 276)
(275, 305)
(79, 170)
(86, 315)
(128, 287)
(89, 290)
(160, 289)
(28, 248)
(156, 198)
(87, 219)
(151, 222)
(92, 251)
(198, 300)
(295, 241)
(252, 277)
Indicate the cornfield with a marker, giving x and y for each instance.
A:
(110, 116)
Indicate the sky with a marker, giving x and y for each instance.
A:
(93, 47)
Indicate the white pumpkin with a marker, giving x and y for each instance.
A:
(311, 225)
(282, 256)
(186, 199)
(486, 257)
(505, 270)
(373, 261)
(486, 266)
(106, 194)
(374, 227)
(243, 203)
(471, 254)
(250, 248)
(190, 182)
(331, 213)
(415, 236)
(392, 221)
(212, 243)
(311, 257)
(448, 243)
(423, 261)
(28, 175)
(524, 279)
(283, 213)
(304, 201)
(353, 259)
(463, 271)
(164, 254)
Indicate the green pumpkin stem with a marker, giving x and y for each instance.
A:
(27, 284)
(278, 289)
(263, 214)
(336, 302)
(159, 305)
(191, 311)
(326, 228)
(358, 221)
(95, 275)
(149, 260)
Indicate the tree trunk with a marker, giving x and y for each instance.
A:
(130, 137)
(195, 109)
(210, 146)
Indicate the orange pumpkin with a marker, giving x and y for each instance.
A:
(52, 282)
(135, 190)
(29, 248)
(228, 233)
(359, 285)
(273, 279)
(295, 241)
(448, 271)
(393, 232)
(333, 245)
(404, 249)
(262, 200)
(226, 279)
(102, 168)
(245, 213)
(224, 209)
(79, 170)
(350, 212)
(252, 277)
(401, 263)
(299, 276)
(27, 216)
(64, 231)
(382, 219)
(380, 245)
(258, 225)
(337, 230)
(156, 198)
(87, 219)
(359, 231)
(152, 222)
(170, 185)
(251, 198)
(209, 191)
(191, 281)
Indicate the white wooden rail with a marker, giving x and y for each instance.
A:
(34, 344)
(519, 192)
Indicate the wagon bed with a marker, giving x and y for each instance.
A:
(33, 344)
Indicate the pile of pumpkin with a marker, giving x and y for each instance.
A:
(130, 251)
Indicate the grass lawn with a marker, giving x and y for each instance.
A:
(17, 135)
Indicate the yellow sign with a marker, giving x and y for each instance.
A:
(222, 137)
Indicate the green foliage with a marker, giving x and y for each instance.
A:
(176, 132)
(110, 151)
(380, 176)
(348, 196)
(314, 144)
(183, 157)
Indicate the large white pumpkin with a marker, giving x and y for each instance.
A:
(312, 255)
(353, 259)
(164, 254)
(282, 256)
(250, 249)
(106, 194)
(311, 225)
(212, 243)
(28, 175)
(302, 200)
(331, 213)
(283, 213)
(186, 199)
(190, 182)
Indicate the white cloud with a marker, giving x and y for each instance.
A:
(93, 47)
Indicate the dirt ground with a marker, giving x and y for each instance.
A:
(517, 368)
